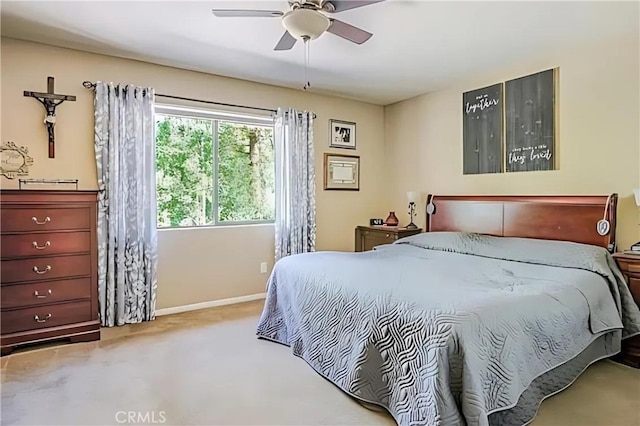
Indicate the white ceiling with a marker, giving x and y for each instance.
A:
(417, 47)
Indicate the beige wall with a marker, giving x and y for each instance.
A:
(412, 145)
(195, 265)
(598, 135)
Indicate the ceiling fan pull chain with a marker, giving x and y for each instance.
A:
(307, 83)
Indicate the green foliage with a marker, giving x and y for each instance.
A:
(185, 175)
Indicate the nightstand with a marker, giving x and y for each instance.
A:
(629, 264)
(367, 237)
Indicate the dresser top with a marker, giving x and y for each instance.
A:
(44, 192)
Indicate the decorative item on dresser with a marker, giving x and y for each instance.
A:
(49, 267)
(629, 264)
(367, 237)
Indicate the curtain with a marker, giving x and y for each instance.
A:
(127, 236)
(295, 183)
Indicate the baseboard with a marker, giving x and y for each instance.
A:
(210, 304)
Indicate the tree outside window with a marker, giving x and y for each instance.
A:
(212, 171)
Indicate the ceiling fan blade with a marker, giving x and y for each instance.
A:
(341, 5)
(245, 13)
(348, 32)
(287, 41)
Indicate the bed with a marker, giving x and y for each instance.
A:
(503, 302)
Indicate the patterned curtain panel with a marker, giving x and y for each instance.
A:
(295, 183)
(127, 236)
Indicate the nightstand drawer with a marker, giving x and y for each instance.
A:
(633, 268)
(368, 237)
(379, 234)
(634, 286)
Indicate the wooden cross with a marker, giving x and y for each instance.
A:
(50, 101)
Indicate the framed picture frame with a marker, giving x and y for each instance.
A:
(341, 172)
(342, 134)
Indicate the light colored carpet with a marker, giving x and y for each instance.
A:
(207, 367)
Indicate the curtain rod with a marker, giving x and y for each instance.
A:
(90, 85)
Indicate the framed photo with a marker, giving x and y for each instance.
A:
(341, 172)
(342, 134)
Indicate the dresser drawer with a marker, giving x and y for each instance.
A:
(42, 293)
(45, 268)
(44, 219)
(39, 244)
(45, 316)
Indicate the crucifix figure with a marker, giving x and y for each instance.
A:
(50, 101)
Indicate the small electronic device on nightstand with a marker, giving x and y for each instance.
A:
(376, 222)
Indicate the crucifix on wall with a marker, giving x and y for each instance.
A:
(50, 101)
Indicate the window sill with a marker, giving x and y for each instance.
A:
(219, 226)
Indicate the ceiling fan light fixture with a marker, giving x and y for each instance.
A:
(305, 23)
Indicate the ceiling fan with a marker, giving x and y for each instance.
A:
(307, 20)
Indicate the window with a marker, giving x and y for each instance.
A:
(213, 168)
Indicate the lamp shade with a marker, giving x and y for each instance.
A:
(413, 196)
(636, 192)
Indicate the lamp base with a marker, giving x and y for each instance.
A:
(412, 226)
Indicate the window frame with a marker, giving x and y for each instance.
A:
(216, 117)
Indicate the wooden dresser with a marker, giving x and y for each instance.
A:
(49, 275)
(367, 237)
(629, 264)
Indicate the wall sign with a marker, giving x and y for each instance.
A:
(482, 130)
(14, 160)
(530, 122)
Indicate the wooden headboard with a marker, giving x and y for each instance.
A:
(566, 218)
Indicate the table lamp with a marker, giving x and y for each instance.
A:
(636, 247)
(413, 197)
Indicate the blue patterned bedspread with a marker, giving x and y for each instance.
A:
(445, 328)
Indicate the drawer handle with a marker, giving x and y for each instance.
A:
(38, 271)
(37, 222)
(387, 236)
(42, 296)
(37, 318)
(37, 247)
